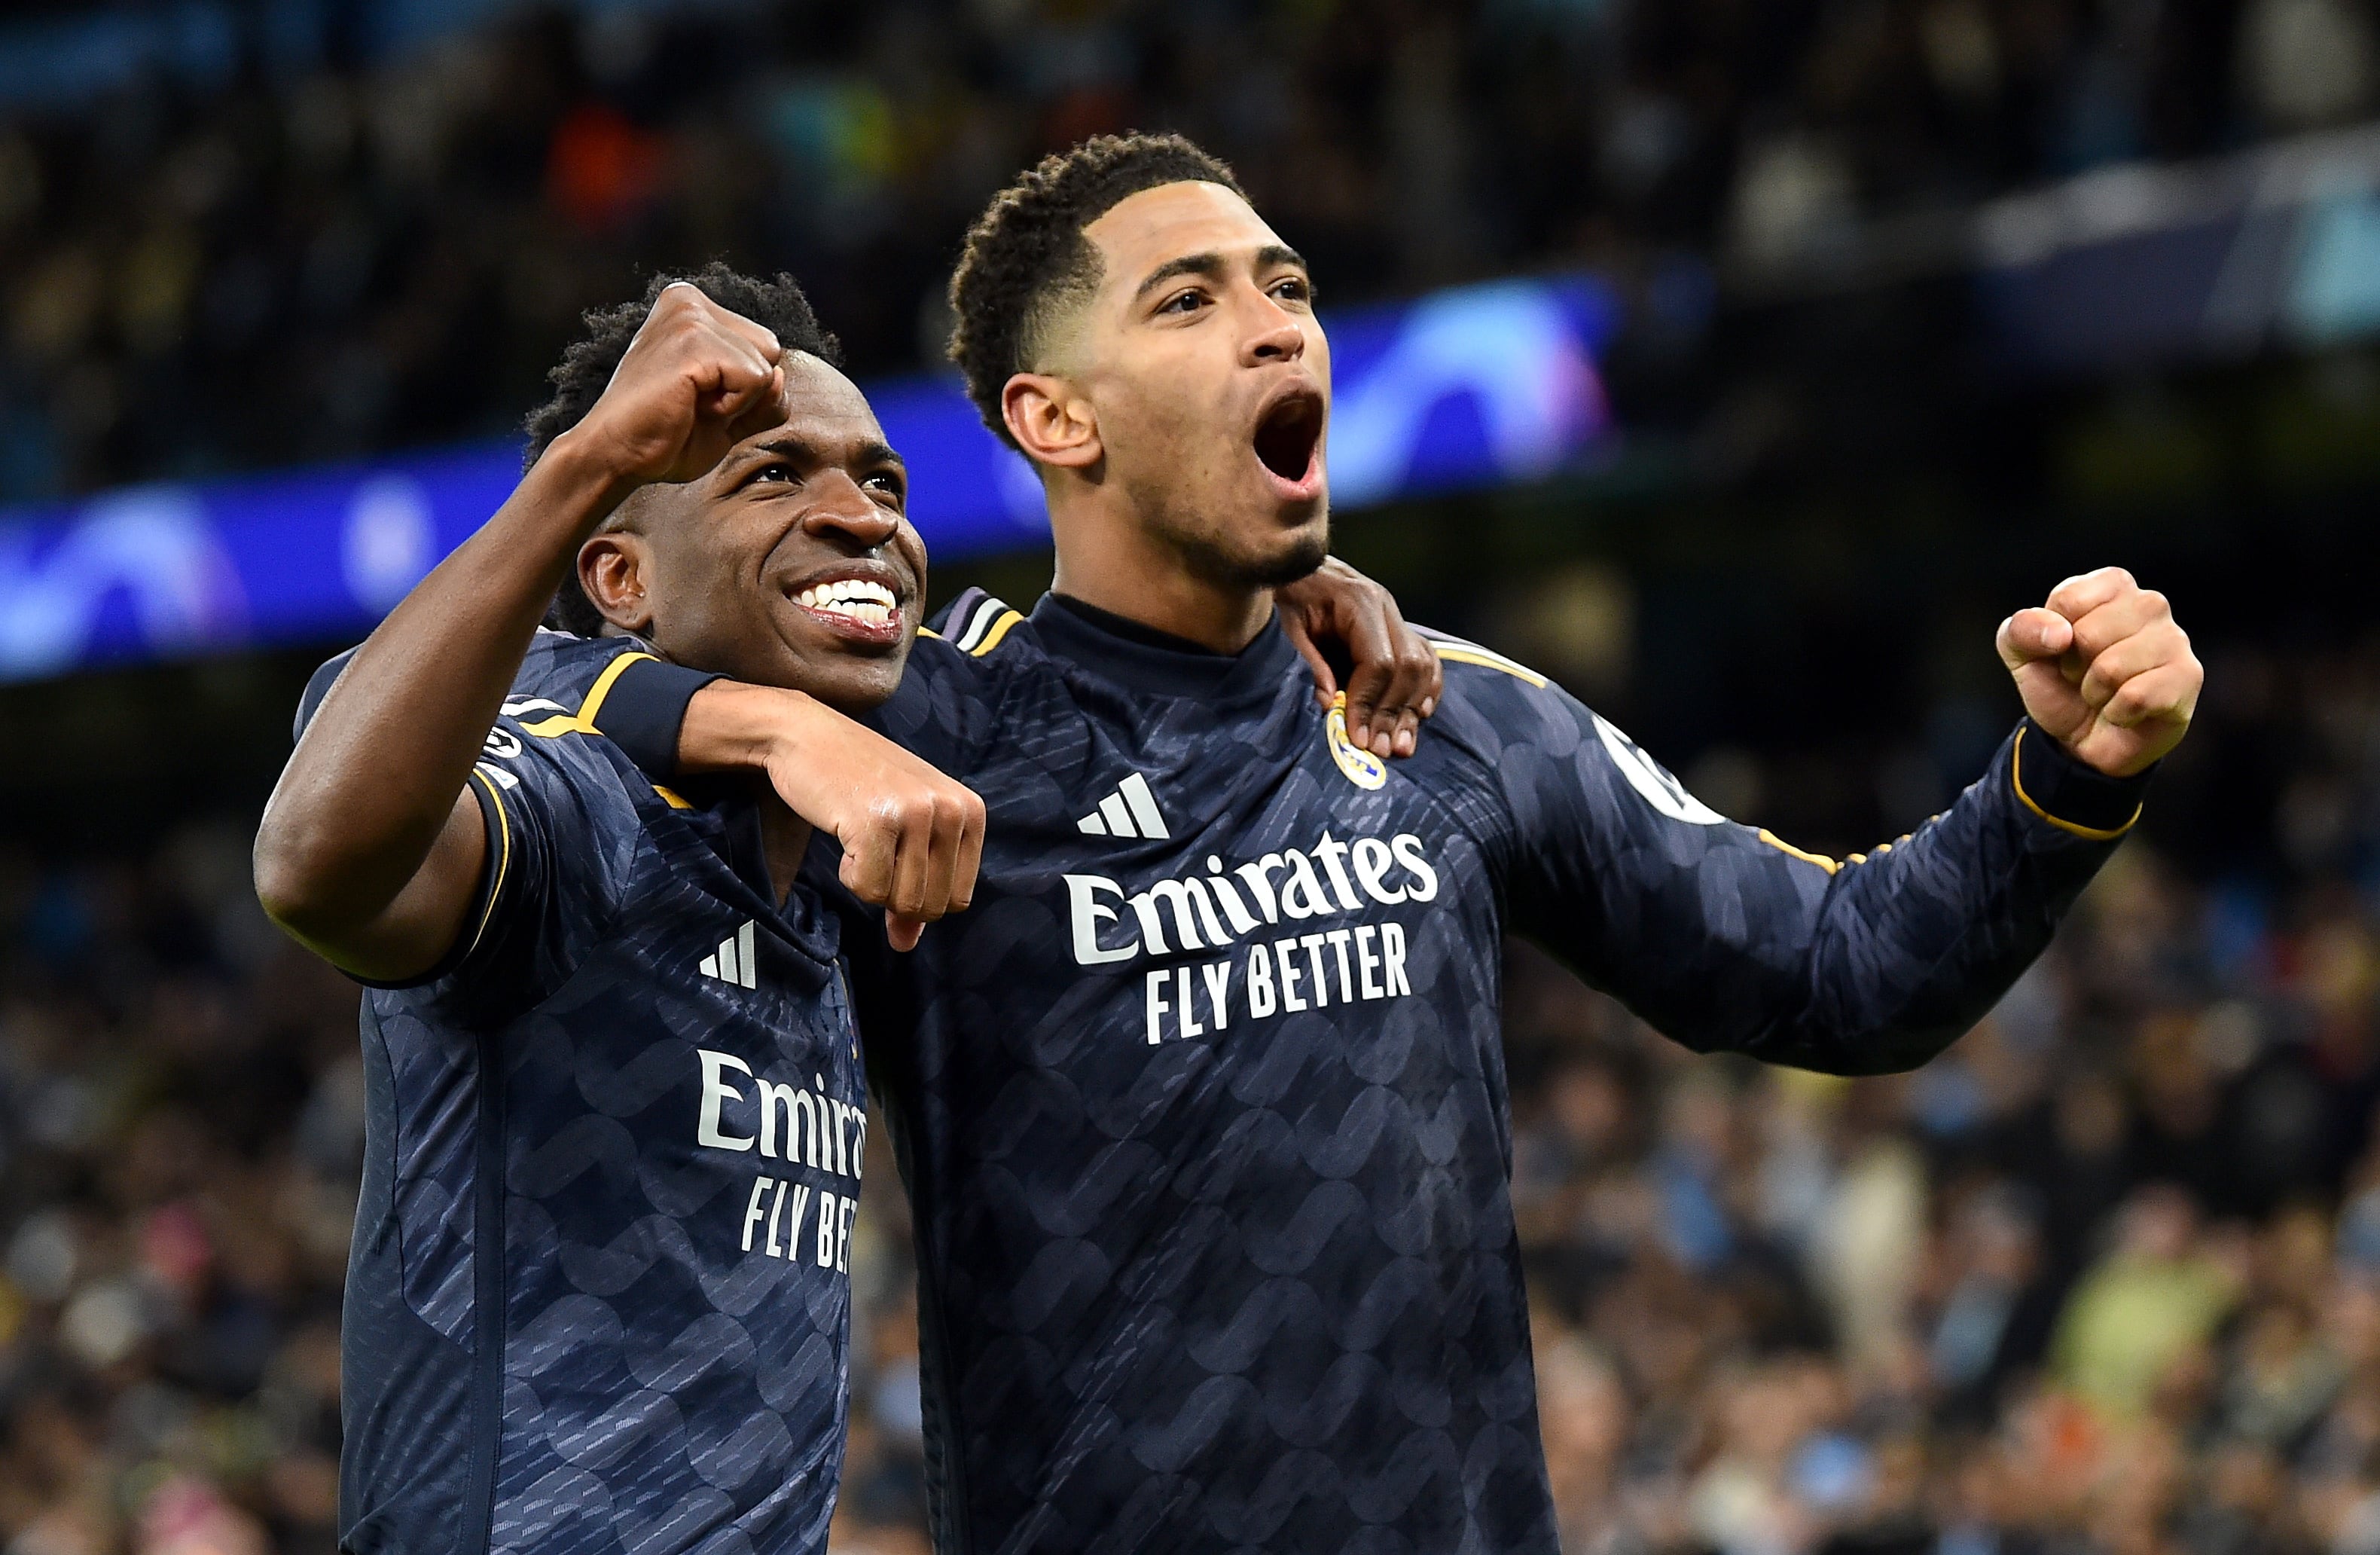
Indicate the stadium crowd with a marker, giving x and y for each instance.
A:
(2103, 1281)
(298, 244)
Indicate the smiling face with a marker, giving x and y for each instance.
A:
(1209, 381)
(791, 564)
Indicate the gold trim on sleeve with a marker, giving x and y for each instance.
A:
(2090, 834)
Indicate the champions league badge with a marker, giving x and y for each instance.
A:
(1362, 767)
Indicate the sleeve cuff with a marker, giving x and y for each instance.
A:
(644, 710)
(2076, 798)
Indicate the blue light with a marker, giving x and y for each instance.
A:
(1463, 389)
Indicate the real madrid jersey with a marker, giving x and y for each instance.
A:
(1202, 1104)
(597, 1298)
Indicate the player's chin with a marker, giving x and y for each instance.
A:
(1288, 547)
(850, 673)
(851, 683)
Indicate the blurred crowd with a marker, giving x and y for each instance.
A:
(2104, 1280)
(181, 1126)
(306, 242)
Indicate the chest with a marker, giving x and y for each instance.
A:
(1201, 884)
(1273, 817)
(699, 976)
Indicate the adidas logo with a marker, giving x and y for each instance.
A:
(1130, 811)
(732, 962)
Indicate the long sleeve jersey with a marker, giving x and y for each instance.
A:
(1202, 1104)
(598, 1294)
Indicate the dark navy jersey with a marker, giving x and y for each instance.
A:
(597, 1298)
(1202, 1104)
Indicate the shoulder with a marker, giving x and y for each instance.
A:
(979, 637)
(559, 673)
(1461, 656)
(974, 624)
(1491, 699)
(964, 670)
(575, 673)
(555, 728)
(975, 642)
(1535, 737)
(1523, 729)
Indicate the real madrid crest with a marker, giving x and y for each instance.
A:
(1362, 767)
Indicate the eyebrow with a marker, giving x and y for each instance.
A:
(1213, 265)
(802, 450)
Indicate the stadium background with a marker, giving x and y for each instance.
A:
(1896, 311)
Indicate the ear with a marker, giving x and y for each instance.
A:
(612, 566)
(1051, 421)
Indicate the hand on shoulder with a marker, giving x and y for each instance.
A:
(1395, 679)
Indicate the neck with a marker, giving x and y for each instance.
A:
(1111, 562)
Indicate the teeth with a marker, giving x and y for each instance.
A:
(861, 599)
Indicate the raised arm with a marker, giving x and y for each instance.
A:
(371, 846)
(1724, 937)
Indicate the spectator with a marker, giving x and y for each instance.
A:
(2155, 1296)
(315, 242)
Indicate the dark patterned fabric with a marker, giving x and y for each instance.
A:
(1202, 1105)
(599, 1293)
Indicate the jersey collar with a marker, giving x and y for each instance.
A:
(1134, 656)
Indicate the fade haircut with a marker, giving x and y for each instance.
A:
(1026, 261)
(587, 367)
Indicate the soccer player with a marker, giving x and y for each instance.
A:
(615, 1105)
(1202, 1105)
(597, 1297)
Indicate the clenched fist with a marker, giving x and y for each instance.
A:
(696, 380)
(2102, 668)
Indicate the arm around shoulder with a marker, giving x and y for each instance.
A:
(911, 836)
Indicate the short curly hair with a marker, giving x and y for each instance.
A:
(1027, 259)
(586, 368)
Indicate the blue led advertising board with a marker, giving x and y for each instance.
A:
(1463, 389)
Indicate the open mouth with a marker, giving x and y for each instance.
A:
(865, 608)
(1288, 436)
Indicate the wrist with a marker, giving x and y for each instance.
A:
(733, 726)
(2069, 792)
(584, 475)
